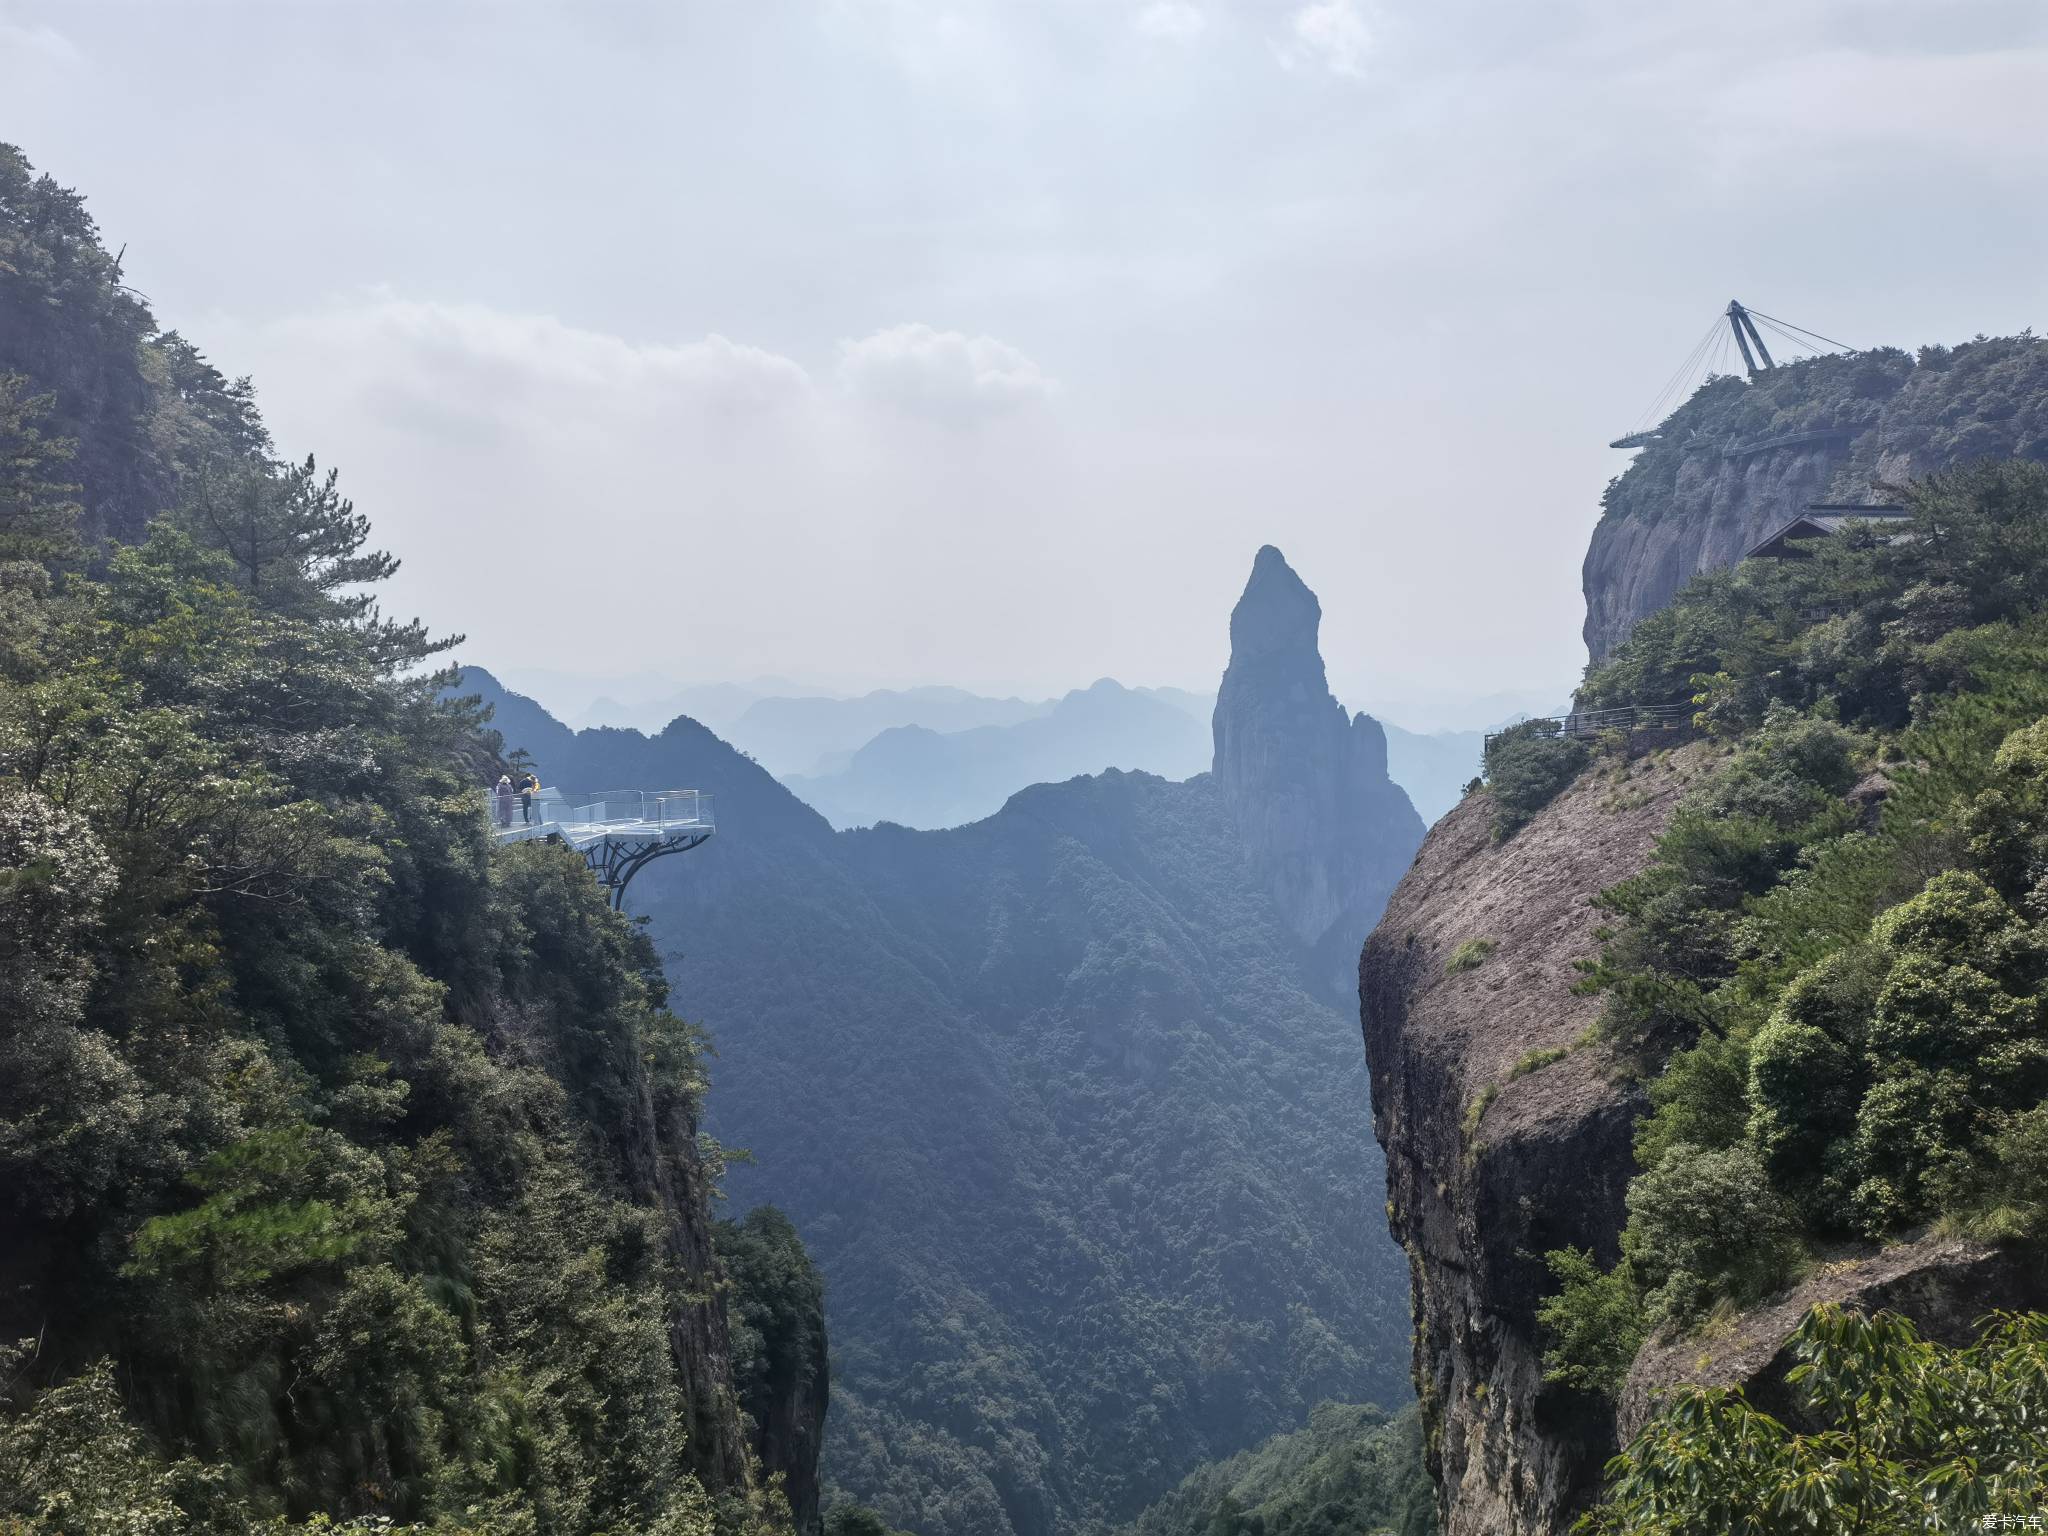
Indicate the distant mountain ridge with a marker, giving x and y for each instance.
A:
(919, 777)
(791, 735)
(1433, 768)
(1060, 1100)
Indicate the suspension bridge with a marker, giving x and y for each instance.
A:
(1736, 331)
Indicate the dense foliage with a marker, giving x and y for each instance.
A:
(847, 1518)
(1085, 1162)
(347, 1167)
(1832, 969)
(1902, 1436)
(1352, 1471)
(1527, 766)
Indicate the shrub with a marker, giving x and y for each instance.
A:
(850, 1519)
(1527, 768)
(1908, 1436)
(2015, 1194)
(1537, 1060)
(1808, 1075)
(1703, 1224)
(1469, 956)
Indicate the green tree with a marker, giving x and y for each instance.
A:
(363, 1156)
(1592, 1325)
(1910, 1437)
(1527, 768)
(1703, 1223)
(39, 510)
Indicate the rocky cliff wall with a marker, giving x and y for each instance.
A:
(1496, 1153)
(1743, 457)
(1507, 1134)
(1720, 507)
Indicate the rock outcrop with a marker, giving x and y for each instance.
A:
(1946, 1286)
(1505, 1134)
(1722, 508)
(1508, 1133)
(1742, 458)
(1323, 826)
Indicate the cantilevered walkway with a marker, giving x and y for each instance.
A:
(618, 831)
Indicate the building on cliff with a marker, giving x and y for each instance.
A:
(1822, 520)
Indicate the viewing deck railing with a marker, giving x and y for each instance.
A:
(1583, 724)
(642, 812)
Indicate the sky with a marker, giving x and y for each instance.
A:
(884, 342)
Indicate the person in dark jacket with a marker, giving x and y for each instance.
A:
(529, 786)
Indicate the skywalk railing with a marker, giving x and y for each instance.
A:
(1584, 724)
(649, 812)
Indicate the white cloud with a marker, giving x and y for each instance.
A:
(43, 40)
(942, 374)
(570, 497)
(468, 362)
(1178, 21)
(1331, 33)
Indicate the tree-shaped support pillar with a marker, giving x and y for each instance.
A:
(616, 860)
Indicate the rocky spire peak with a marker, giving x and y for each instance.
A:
(1277, 615)
(1306, 783)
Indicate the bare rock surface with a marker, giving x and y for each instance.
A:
(1324, 827)
(1720, 508)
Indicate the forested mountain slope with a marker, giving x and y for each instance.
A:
(348, 1165)
(1350, 1471)
(1055, 1097)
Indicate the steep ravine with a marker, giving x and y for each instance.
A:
(1058, 1099)
(1487, 1170)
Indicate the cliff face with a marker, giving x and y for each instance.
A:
(1720, 507)
(1741, 458)
(1490, 1164)
(1507, 1137)
(1323, 826)
(780, 1417)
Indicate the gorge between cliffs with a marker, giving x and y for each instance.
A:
(431, 1108)
(1065, 1102)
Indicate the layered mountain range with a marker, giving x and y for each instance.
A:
(1065, 1101)
(918, 776)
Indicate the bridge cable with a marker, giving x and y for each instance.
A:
(1685, 370)
(1803, 331)
(1792, 339)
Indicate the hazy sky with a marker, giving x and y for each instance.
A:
(984, 341)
